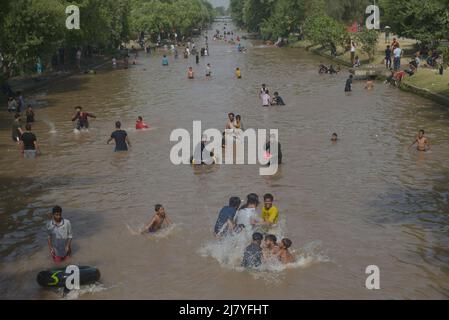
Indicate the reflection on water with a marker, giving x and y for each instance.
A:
(364, 200)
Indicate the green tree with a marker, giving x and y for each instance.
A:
(31, 29)
(427, 21)
(325, 31)
(368, 40)
(287, 17)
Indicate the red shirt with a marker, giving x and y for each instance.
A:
(141, 125)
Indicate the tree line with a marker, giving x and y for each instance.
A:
(36, 29)
(326, 22)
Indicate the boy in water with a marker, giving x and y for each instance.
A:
(82, 117)
(140, 124)
(270, 246)
(252, 258)
(190, 73)
(158, 220)
(226, 217)
(285, 256)
(238, 73)
(421, 141)
(270, 213)
(348, 87)
(59, 231)
(369, 84)
(121, 138)
(277, 100)
(17, 131)
(334, 138)
(30, 114)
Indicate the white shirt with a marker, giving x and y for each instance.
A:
(266, 99)
(352, 48)
(244, 216)
(397, 52)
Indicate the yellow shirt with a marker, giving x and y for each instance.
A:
(238, 73)
(271, 215)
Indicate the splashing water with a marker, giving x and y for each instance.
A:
(164, 232)
(51, 125)
(88, 289)
(229, 251)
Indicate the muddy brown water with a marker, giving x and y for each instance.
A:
(365, 201)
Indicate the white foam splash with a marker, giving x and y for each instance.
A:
(164, 232)
(87, 289)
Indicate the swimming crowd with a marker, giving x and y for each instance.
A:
(232, 219)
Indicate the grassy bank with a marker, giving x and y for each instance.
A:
(426, 82)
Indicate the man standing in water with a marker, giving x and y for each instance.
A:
(82, 117)
(29, 144)
(59, 232)
(121, 138)
(421, 142)
(156, 223)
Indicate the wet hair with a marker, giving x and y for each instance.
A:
(57, 209)
(17, 116)
(78, 107)
(118, 124)
(234, 202)
(271, 237)
(257, 236)
(421, 131)
(287, 243)
(238, 117)
(268, 196)
(140, 118)
(334, 134)
(158, 207)
(237, 68)
(276, 93)
(231, 113)
(252, 198)
(28, 127)
(263, 85)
